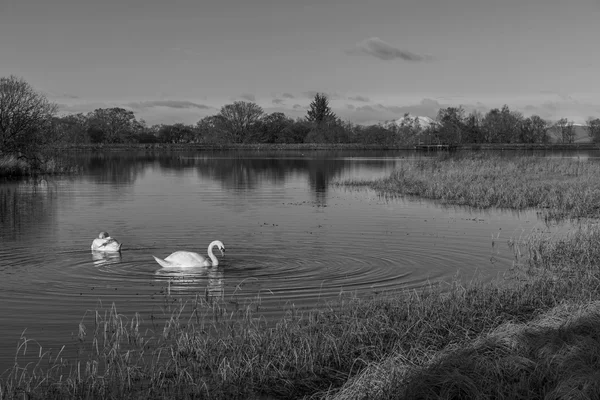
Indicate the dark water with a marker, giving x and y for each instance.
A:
(291, 237)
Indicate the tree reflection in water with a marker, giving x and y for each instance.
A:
(25, 205)
(28, 204)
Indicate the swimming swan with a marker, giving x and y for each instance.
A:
(188, 259)
(105, 243)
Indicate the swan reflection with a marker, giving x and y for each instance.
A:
(103, 258)
(193, 279)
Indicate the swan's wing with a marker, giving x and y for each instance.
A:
(186, 258)
(163, 263)
(109, 242)
(106, 245)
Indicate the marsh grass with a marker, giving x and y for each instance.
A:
(13, 167)
(559, 188)
(509, 337)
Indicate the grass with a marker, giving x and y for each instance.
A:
(12, 167)
(561, 188)
(511, 338)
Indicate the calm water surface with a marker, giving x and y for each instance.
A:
(291, 237)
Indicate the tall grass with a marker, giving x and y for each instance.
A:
(457, 340)
(561, 188)
(539, 338)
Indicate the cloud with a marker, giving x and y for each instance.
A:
(287, 96)
(360, 98)
(186, 52)
(166, 103)
(248, 96)
(350, 106)
(277, 101)
(384, 51)
(83, 107)
(365, 108)
(297, 106)
(61, 96)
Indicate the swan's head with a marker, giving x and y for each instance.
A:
(103, 235)
(221, 247)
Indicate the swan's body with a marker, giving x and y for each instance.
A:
(105, 257)
(188, 259)
(105, 243)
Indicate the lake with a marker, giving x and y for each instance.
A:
(292, 238)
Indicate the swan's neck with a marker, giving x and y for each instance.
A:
(213, 258)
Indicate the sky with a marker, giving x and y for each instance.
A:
(181, 60)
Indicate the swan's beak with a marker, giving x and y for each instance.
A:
(222, 251)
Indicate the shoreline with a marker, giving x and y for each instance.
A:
(315, 146)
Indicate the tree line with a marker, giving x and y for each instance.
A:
(29, 123)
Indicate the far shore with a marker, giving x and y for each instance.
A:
(317, 146)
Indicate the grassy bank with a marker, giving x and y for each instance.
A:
(562, 188)
(501, 339)
(11, 167)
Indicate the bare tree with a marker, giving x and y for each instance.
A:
(565, 130)
(593, 128)
(451, 125)
(534, 129)
(25, 119)
(240, 120)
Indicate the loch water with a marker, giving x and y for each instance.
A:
(293, 237)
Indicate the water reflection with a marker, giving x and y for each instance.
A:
(234, 170)
(114, 167)
(25, 205)
(194, 280)
(102, 258)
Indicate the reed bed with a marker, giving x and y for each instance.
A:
(13, 167)
(560, 188)
(458, 340)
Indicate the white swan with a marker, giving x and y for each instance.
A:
(105, 243)
(188, 259)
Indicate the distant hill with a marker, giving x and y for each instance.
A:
(424, 122)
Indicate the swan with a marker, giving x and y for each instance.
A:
(105, 243)
(188, 259)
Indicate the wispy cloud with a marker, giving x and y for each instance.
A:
(297, 106)
(287, 96)
(166, 103)
(384, 51)
(187, 52)
(359, 98)
(248, 96)
(61, 96)
(277, 101)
